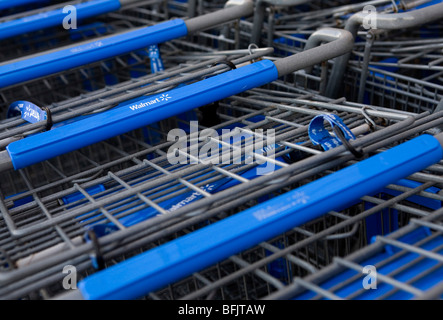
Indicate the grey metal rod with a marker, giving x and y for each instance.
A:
(439, 108)
(257, 25)
(234, 9)
(342, 43)
(126, 2)
(259, 15)
(5, 161)
(192, 8)
(379, 21)
(398, 20)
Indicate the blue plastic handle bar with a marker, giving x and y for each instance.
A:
(55, 17)
(74, 56)
(8, 4)
(179, 258)
(124, 118)
(430, 3)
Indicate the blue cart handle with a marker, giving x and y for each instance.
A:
(182, 257)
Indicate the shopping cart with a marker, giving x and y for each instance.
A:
(93, 77)
(134, 177)
(288, 34)
(132, 114)
(29, 68)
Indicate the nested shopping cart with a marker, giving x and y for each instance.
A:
(46, 246)
(63, 203)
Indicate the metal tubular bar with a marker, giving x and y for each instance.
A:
(342, 42)
(260, 11)
(257, 181)
(292, 290)
(234, 9)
